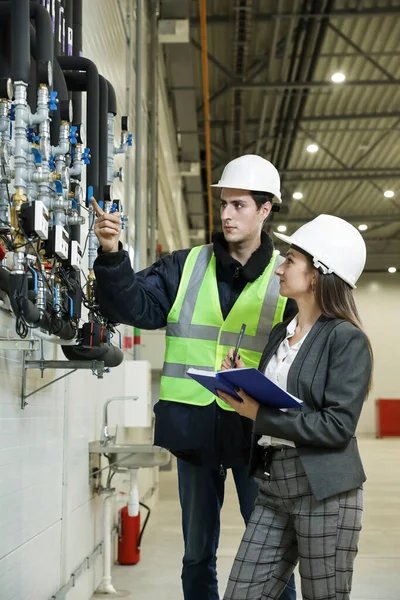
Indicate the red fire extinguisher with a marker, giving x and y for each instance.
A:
(130, 536)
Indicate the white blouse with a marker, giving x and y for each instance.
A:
(277, 370)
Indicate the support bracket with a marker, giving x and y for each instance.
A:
(96, 366)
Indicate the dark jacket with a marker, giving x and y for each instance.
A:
(330, 374)
(204, 435)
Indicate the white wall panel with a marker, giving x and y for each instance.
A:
(49, 521)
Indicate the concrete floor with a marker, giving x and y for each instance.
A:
(377, 567)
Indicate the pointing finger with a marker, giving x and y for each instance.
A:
(99, 212)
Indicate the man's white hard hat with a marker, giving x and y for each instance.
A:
(254, 173)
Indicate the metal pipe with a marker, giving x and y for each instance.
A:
(128, 112)
(206, 103)
(138, 129)
(154, 131)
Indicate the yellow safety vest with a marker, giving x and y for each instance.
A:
(197, 335)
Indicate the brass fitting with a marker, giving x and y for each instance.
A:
(18, 198)
(89, 286)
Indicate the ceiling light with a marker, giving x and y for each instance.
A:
(297, 195)
(392, 269)
(282, 228)
(363, 227)
(338, 77)
(388, 194)
(312, 148)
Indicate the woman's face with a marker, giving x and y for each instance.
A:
(296, 275)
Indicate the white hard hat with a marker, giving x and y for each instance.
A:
(251, 172)
(335, 245)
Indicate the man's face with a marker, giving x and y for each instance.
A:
(241, 221)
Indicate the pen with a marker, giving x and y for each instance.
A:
(239, 341)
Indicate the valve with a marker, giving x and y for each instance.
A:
(32, 136)
(37, 155)
(86, 156)
(130, 139)
(52, 164)
(73, 134)
(59, 187)
(12, 113)
(53, 100)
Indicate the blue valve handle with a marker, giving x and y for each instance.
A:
(59, 187)
(72, 134)
(86, 156)
(52, 164)
(12, 112)
(37, 156)
(130, 139)
(52, 101)
(35, 280)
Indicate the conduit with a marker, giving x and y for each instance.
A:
(206, 102)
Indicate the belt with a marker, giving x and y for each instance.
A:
(268, 455)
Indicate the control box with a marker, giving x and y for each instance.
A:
(75, 255)
(35, 219)
(61, 242)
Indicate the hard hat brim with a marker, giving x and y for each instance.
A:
(289, 240)
(277, 198)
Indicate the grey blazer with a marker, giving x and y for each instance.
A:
(330, 374)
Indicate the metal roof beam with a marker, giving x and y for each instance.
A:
(355, 218)
(345, 176)
(389, 172)
(379, 11)
(213, 60)
(360, 51)
(304, 85)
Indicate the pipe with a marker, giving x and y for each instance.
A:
(71, 65)
(128, 112)
(103, 135)
(20, 51)
(111, 355)
(112, 99)
(154, 131)
(138, 129)
(77, 51)
(56, 17)
(69, 23)
(106, 586)
(53, 340)
(206, 103)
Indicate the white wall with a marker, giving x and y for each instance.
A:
(378, 300)
(49, 521)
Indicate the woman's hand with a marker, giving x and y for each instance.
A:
(226, 363)
(248, 408)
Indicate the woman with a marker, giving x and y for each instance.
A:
(306, 462)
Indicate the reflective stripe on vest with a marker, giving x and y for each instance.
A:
(198, 336)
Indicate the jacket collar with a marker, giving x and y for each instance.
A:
(228, 267)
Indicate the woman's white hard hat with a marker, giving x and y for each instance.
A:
(335, 245)
(251, 172)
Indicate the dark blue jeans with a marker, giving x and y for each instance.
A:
(201, 492)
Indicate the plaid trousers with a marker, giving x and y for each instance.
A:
(288, 526)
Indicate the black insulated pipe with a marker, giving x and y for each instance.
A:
(77, 51)
(20, 49)
(112, 99)
(72, 65)
(103, 135)
(69, 24)
(111, 355)
(18, 294)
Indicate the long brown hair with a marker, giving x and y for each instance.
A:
(336, 300)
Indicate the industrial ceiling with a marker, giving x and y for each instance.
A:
(270, 92)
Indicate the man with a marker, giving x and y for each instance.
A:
(204, 295)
